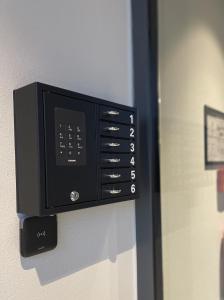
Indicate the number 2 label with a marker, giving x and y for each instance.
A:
(132, 132)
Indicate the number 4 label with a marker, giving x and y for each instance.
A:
(132, 161)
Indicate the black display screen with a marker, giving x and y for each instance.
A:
(70, 137)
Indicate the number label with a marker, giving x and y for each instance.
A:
(132, 161)
(133, 174)
(132, 132)
(132, 147)
(131, 119)
(133, 188)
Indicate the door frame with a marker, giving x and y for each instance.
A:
(148, 205)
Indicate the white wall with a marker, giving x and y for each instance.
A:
(84, 46)
(191, 56)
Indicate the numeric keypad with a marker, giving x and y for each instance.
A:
(70, 135)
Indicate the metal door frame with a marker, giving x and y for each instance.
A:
(148, 207)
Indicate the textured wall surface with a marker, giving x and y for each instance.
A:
(191, 75)
(84, 46)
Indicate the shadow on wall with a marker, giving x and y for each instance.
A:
(85, 238)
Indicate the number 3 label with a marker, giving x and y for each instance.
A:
(132, 147)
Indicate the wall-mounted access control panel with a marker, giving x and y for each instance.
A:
(72, 151)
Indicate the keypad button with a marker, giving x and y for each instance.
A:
(60, 153)
(70, 136)
(78, 137)
(69, 128)
(70, 145)
(70, 153)
(61, 127)
(79, 146)
(62, 145)
(61, 136)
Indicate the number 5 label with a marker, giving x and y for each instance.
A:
(133, 174)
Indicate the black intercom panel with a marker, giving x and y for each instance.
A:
(72, 151)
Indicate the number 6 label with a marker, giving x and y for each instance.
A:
(133, 188)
